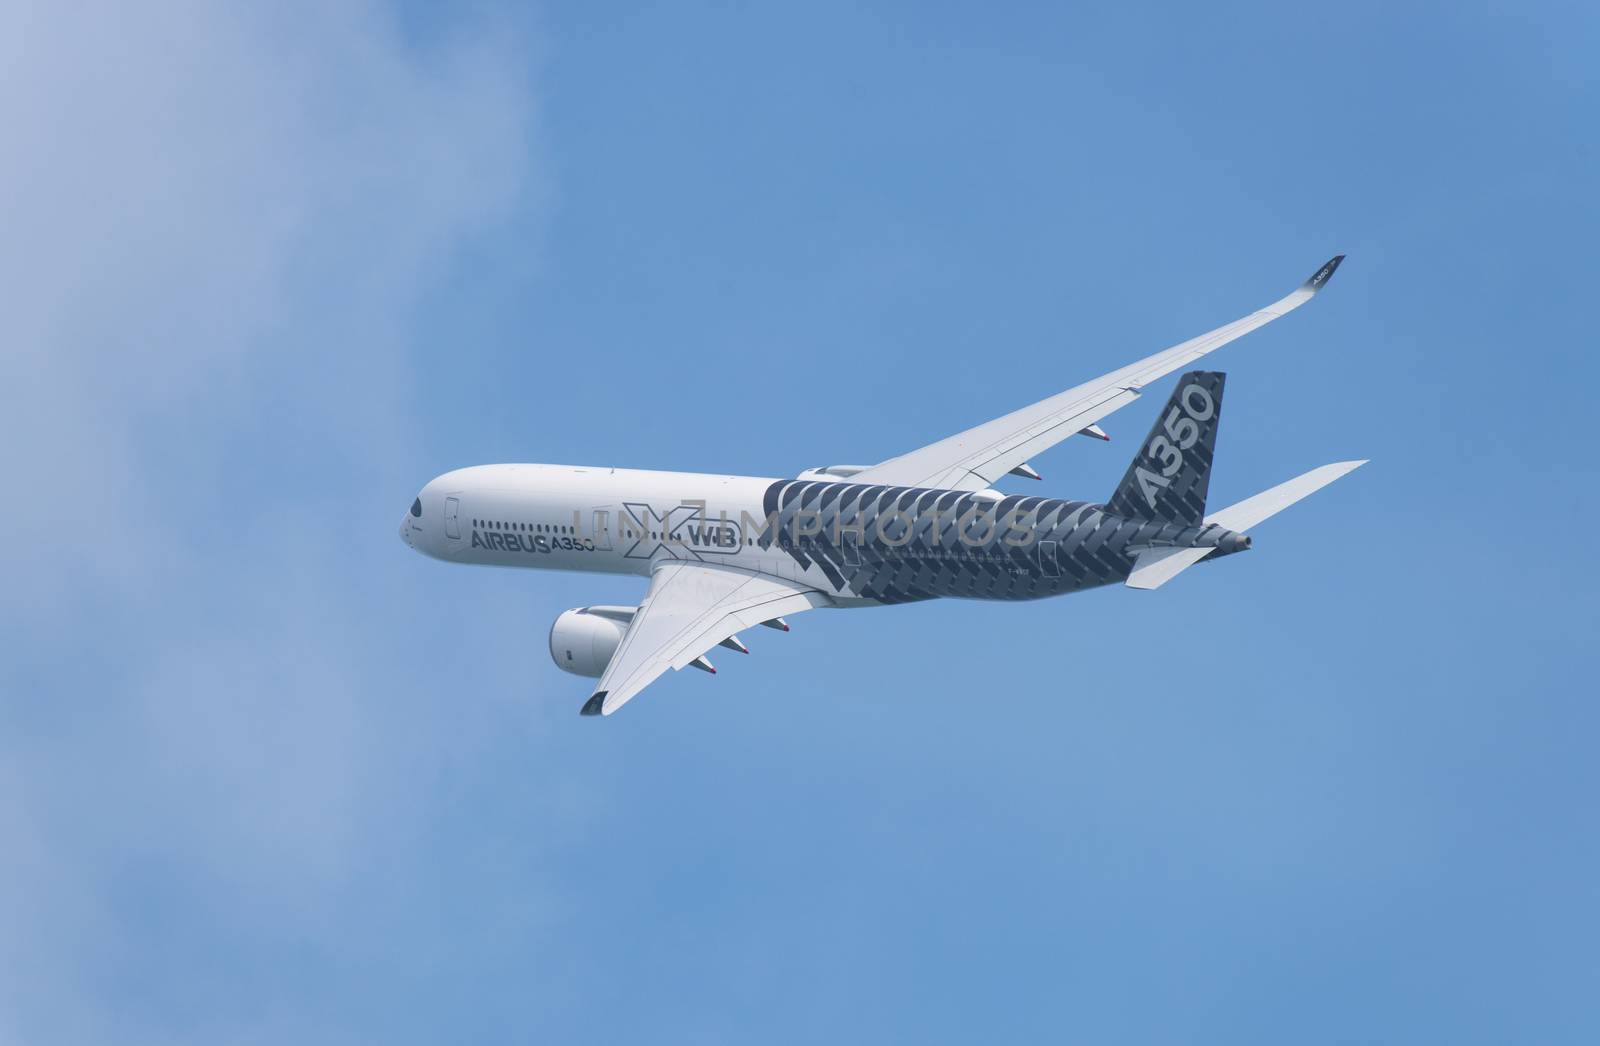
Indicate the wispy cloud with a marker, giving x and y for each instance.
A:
(218, 224)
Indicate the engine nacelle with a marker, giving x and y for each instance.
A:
(583, 640)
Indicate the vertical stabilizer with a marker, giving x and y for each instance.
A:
(1171, 472)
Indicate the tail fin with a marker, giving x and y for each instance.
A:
(1169, 477)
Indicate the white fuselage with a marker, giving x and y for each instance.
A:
(596, 519)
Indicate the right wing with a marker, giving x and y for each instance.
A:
(976, 458)
(690, 608)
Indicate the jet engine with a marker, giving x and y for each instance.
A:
(583, 640)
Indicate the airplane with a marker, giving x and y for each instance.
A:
(728, 553)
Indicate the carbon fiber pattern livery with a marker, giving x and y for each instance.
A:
(903, 544)
(1169, 477)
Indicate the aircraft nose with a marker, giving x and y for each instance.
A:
(411, 524)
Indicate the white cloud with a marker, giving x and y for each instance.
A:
(219, 220)
(209, 202)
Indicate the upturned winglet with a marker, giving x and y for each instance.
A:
(1324, 274)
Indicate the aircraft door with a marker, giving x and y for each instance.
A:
(601, 523)
(452, 508)
(1047, 559)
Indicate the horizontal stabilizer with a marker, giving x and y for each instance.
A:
(1269, 503)
(1156, 566)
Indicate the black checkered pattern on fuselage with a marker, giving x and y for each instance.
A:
(882, 543)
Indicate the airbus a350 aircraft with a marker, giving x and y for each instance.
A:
(727, 553)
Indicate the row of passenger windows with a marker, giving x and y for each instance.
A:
(655, 535)
(556, 528)
(531, 528)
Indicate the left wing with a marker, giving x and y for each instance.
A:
(976, 458)
(690, 608)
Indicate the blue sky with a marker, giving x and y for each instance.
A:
(266, 775)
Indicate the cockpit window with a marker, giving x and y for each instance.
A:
(416, 508)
